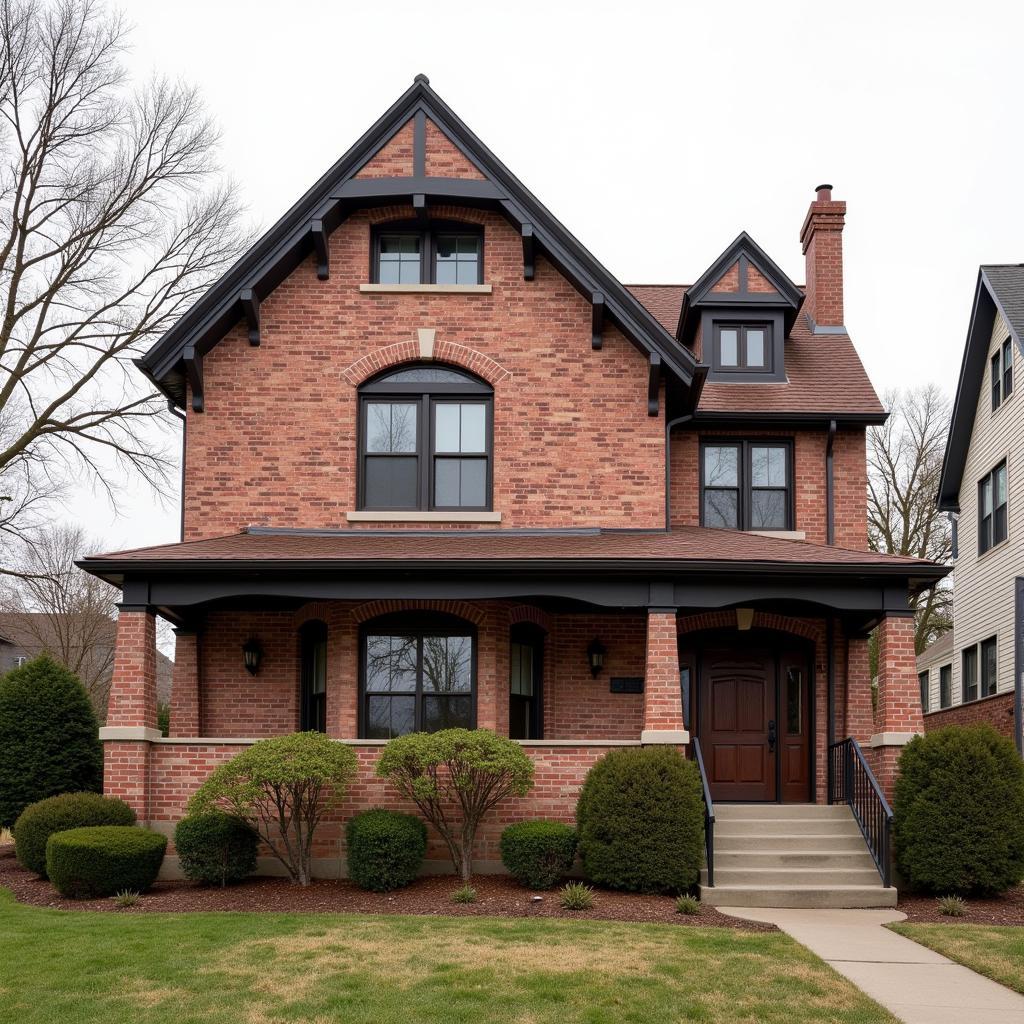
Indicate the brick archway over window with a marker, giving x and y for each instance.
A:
(409, 352)
(762, 620)
(461, 609)
(527, 613)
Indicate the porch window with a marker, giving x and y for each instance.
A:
(425, 441)
(969, 674)
(418, 675)
(313, 677)
(992, 523)
(526, 662)
(746, 485)
(989, 676)
(945, 686)
(922, 682)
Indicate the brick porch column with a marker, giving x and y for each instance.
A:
(663, 702)
(898, 716)
(185, 685)
(131, 711)
(859, 717)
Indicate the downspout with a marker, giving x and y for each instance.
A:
(830, 508)
(678, 421)
(184, 440)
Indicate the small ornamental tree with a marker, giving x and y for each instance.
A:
(455, 777)
(49, 737)
(281, 788)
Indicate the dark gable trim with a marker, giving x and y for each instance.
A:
(304, 228)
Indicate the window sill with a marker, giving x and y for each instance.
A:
(428, 289)
(784, 534)
(423, 517)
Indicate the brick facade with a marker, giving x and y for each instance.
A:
(996, 711)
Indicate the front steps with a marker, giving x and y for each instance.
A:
(792, 855)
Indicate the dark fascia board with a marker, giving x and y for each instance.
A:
(796, 420)
(288, 242)
(965, 405)
(789, 297)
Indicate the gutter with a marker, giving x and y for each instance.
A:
(830, 504)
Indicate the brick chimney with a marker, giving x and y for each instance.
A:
(822, 241)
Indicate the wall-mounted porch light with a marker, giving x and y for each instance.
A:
(595, 655)
(253, 654)
(744, 618)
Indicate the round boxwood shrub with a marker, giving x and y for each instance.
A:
(102, 860)
(215, 848)
(538, 854)
(385, 849)
(40, 820)
(49, 737)
(959, 812)
(641, 821)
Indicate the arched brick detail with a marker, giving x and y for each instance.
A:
(762, 620)
(323, 610)
(463, 609)
(382, 214)
(527, 613)
(409, 351)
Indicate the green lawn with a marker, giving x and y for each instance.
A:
(995, 951)
(326, 969)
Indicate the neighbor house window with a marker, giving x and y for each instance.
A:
(992, 508)
(425, 441)
(988, 667)
(996, 378)
(746, 485)
(417, 675)
(313, 677)
(969, 674)
(739, 347)
(922, 682)
(440, 254)
(19, 661)
(945, 686)
(1007, 369)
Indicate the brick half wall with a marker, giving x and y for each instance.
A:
(997, 711)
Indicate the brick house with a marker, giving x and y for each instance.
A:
(441, 468)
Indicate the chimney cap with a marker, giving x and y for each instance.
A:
(823, 188)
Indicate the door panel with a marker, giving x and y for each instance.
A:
(794, 728)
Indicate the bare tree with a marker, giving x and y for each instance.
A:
(64, 611)
(904, 465)
(113, 220)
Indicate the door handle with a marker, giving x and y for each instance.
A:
(771, 736)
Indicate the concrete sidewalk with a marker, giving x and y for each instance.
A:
(916, 984)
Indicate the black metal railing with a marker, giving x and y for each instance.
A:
(852, 782)
(709, 812)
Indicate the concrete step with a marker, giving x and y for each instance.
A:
(733, 812)
(778, 842)
(757, 827)
(822, 878)
(834, 860)
(808, 897)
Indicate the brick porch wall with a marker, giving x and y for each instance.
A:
(996, 711)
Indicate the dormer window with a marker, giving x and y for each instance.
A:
(743, 347)
(447, 254)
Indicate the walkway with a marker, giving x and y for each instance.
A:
(916, 984)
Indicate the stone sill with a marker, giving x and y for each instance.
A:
(221, 741)
(426, 289)
(423, 517)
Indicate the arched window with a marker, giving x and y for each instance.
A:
(417, 674)
(425, 440)
(313, 677)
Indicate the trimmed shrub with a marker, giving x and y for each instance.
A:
(641, 821)
(49, 737)
(576, 896)
(538, 854)
(42, 819)
(959, 812)
(215, 849)
(385, 849)
(103, 860)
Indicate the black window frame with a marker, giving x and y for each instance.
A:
(946, 685)
(427, 236)
(969, 680)
(312, 705)
(987, 687)
(994, 528)
(742, 367)
(418, 624)
(527, 634)
(744, 484)
(382, 390)
(996, 381)
(924, 685)
(1007, 354)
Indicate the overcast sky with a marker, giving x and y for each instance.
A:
(655, 131)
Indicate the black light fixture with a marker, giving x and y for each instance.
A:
(595, 655)
(253, 654)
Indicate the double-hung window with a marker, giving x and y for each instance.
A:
(922, 682)
(1001, 367)
(989, 678)
(992, 500)
(451, 254)
(746, 485)
(945, 686)
(969, 675)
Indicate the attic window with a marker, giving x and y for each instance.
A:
(447, 254)
(740, 348)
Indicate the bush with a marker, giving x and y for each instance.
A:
(538, 854)
(215, 849)
(385, 849)
(687, 905)
(49, 737)
(455, 777)
(641, 821)
(959, 812)
(952, 906)
(281, 788)
(576, 896)
(42, 819)
(103, 860)
(465, 894)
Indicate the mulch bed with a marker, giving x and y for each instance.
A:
(497, 896)
(1005, 909)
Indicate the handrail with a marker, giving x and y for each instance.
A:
(851, 781)
(709, 812)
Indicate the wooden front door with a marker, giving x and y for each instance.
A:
(737, 724)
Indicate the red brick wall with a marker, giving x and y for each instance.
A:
(394, 158)
(823, 250)
(133, 682)
(997, 711)
(444, 160)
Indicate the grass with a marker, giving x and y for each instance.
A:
(314, 969)
(997, 951)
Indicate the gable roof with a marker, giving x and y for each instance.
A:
(305, 226)
(938, 650)
(1000, 288)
